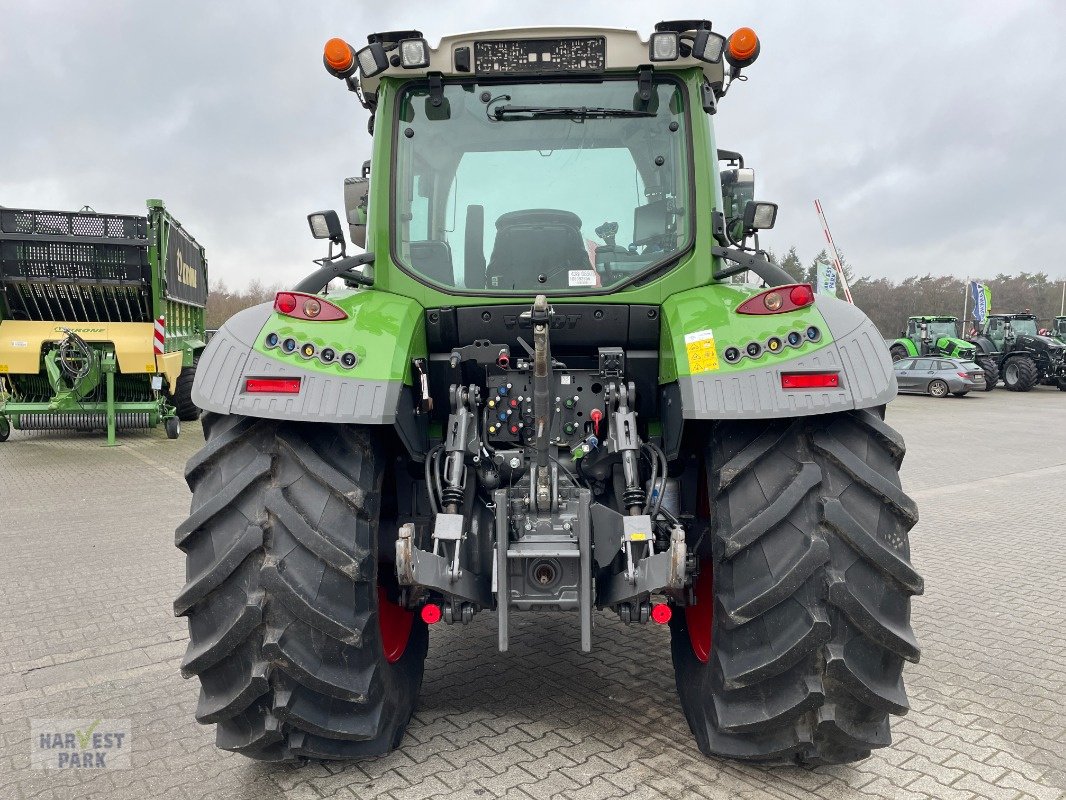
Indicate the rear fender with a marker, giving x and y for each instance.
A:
(703, 321)
(384, 331)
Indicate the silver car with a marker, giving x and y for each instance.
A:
(938, 376)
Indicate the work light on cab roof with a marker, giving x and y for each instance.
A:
(544, 51)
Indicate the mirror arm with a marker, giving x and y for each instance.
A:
(336, 268)
(755, 261)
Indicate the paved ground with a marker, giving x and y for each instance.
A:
(89, 571)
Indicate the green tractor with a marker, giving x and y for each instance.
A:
(1025, 357)
(1058, 329)
(928, 335)
(537, 390)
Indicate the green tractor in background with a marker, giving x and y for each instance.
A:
(537, 390)
(928, 335)
(1026, 358)
(1058, 329)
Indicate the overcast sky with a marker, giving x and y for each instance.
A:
(933, 132)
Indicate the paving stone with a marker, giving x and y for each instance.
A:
(87, 631)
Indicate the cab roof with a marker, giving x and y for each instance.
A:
(623, 51)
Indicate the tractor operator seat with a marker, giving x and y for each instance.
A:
(536, 246)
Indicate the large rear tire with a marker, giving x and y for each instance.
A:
(798, 651)
(1020, 374)
(294, 632)
(991, 371)
(187, 410)
(899, 352)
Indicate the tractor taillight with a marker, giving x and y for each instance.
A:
(810, 380)
(778, 300)
(272, 385)
(307, 306)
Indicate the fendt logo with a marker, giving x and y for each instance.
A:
(559, 321)
(186, 272)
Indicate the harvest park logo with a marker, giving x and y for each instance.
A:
(80, 744)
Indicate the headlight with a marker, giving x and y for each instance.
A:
(414, 53)
(664, 46)
(372, 60)
(708, 46)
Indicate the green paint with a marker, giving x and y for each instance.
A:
(942, 340)
(713, 308)
(384, 330)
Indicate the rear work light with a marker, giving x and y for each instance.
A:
(307, 306)
(272, 385)
(810, 380)
(778, 300)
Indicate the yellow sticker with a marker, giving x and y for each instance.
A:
(3, 367)
(638, 537)
(702, 354)
(149, 367)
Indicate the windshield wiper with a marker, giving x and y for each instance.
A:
(579, 113)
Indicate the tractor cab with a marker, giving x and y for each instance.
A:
(1004, 329)
(1058, 328)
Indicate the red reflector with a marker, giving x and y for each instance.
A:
(273, 385)
(810, 380)
(801, 295)
(430, 614)
(285, 302)
(661, 613)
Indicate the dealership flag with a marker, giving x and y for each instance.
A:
(982, 300)
(827, 279)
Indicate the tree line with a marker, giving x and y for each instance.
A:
(223, 302)
(888, 303)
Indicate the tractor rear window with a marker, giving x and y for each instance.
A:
(575, 187)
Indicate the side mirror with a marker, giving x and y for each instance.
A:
(738, 189)
(759, 216)
(355, 205)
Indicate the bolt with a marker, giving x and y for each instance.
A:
(528, 526)
(567, 526)
(516, 462)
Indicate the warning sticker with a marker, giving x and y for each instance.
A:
(702, 354)
(584, 277)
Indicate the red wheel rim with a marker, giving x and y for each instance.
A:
(700, 617)
(395, 624)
